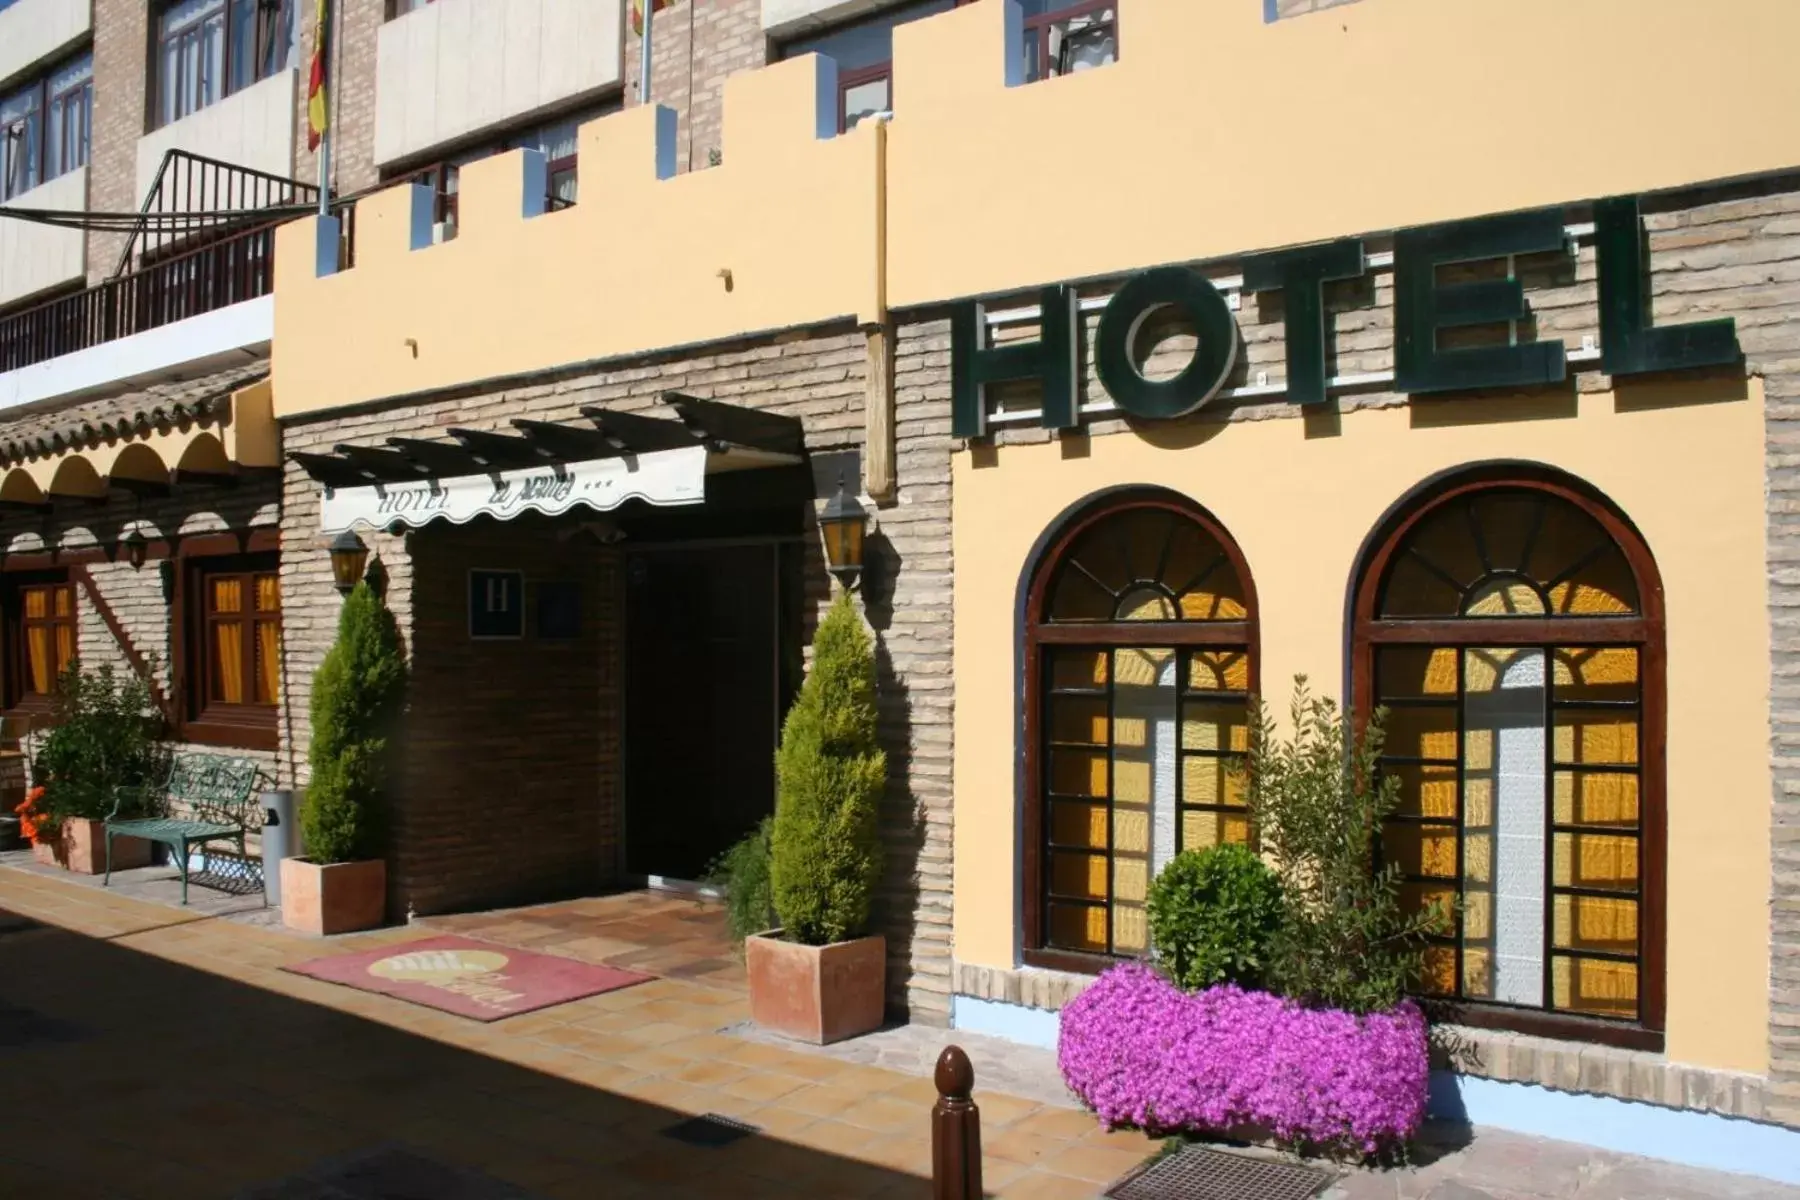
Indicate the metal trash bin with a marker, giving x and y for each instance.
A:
(280, 839)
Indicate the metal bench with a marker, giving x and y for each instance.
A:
(215, 789)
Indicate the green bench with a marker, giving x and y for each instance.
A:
(217, 790)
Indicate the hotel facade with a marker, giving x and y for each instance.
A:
(1444, 355)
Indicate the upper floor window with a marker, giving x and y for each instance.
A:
(1064, 36)
(557, 142)
(864, 53)
(45, 126)
(1512, 627)
(1139, 667)
(207, 49)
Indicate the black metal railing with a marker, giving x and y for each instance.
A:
(194, 196)
(223, 271)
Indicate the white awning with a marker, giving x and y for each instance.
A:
(664, 478)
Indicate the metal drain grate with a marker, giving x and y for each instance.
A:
(709, 1130)
(1196, 1173)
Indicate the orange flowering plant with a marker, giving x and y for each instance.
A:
(34, 822)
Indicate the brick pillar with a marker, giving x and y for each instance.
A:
(695, 46)
(121, 40)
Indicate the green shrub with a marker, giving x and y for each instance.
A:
(1212, 915)
(1317, 802)
(357, 697)
(107, 739)
(743, 873)
(830, 773)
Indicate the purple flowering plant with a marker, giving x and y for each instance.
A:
(1332, 1058)
(1141, 1052)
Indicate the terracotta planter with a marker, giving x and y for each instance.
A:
(817, 994)
(80, 846)
(340, 898)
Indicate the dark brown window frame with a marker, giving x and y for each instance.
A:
(267, 21)
(241, 726)
(18, 700)
(46, 101)
(1645, 632)
(1040, 634)
(1039, 28)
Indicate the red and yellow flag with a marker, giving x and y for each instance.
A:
(317, 117)
(637, 14)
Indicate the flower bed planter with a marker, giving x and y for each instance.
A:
(80, 846)
(334, 898)
(817, 994)
(1139, 1051)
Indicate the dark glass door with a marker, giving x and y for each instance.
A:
(702, 696)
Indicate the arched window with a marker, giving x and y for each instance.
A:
(1512, 626)
(1140, 643)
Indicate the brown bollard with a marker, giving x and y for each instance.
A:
(955, 1130)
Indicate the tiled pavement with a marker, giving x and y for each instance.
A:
(147, 1051)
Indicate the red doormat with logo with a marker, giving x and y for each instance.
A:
(478, 980)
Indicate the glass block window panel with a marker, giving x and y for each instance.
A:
(1520, 765)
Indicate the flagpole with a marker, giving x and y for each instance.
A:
(323, 54)
(644, 52)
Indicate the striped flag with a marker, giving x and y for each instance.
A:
(317, 116)
(637, 14)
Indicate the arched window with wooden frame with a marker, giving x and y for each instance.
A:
(1140, 661)
(1510, 620)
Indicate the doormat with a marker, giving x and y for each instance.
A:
(478, 980)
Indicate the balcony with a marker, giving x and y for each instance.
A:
(454, 69)
(32, 31)
(180, 264)
(39, 258)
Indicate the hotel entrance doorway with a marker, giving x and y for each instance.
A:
(705, 689)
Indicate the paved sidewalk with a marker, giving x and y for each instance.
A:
(150, 1051)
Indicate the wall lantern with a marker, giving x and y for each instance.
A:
(136, 547)
(842, 525)
(348, 554)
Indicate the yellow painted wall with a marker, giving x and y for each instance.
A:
(1685, 462)
(1215, 134)
(634, 267)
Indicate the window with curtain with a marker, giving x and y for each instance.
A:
(40, 613)
(1513, 632)
(1140, 642)
(45, 125)
(234, 679)
(208, 49)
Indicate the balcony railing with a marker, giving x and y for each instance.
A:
(222, 272)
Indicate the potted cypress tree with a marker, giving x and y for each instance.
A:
(340, 885)
(821, 977)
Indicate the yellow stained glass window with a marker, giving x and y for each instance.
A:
(1510, 552)
(1142, 743)
(1147, 563)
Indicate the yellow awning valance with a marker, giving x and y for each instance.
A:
(144, 442)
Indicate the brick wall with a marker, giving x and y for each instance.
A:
(694, 47)
(135, 596)
(458, 718)
(121, 35)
